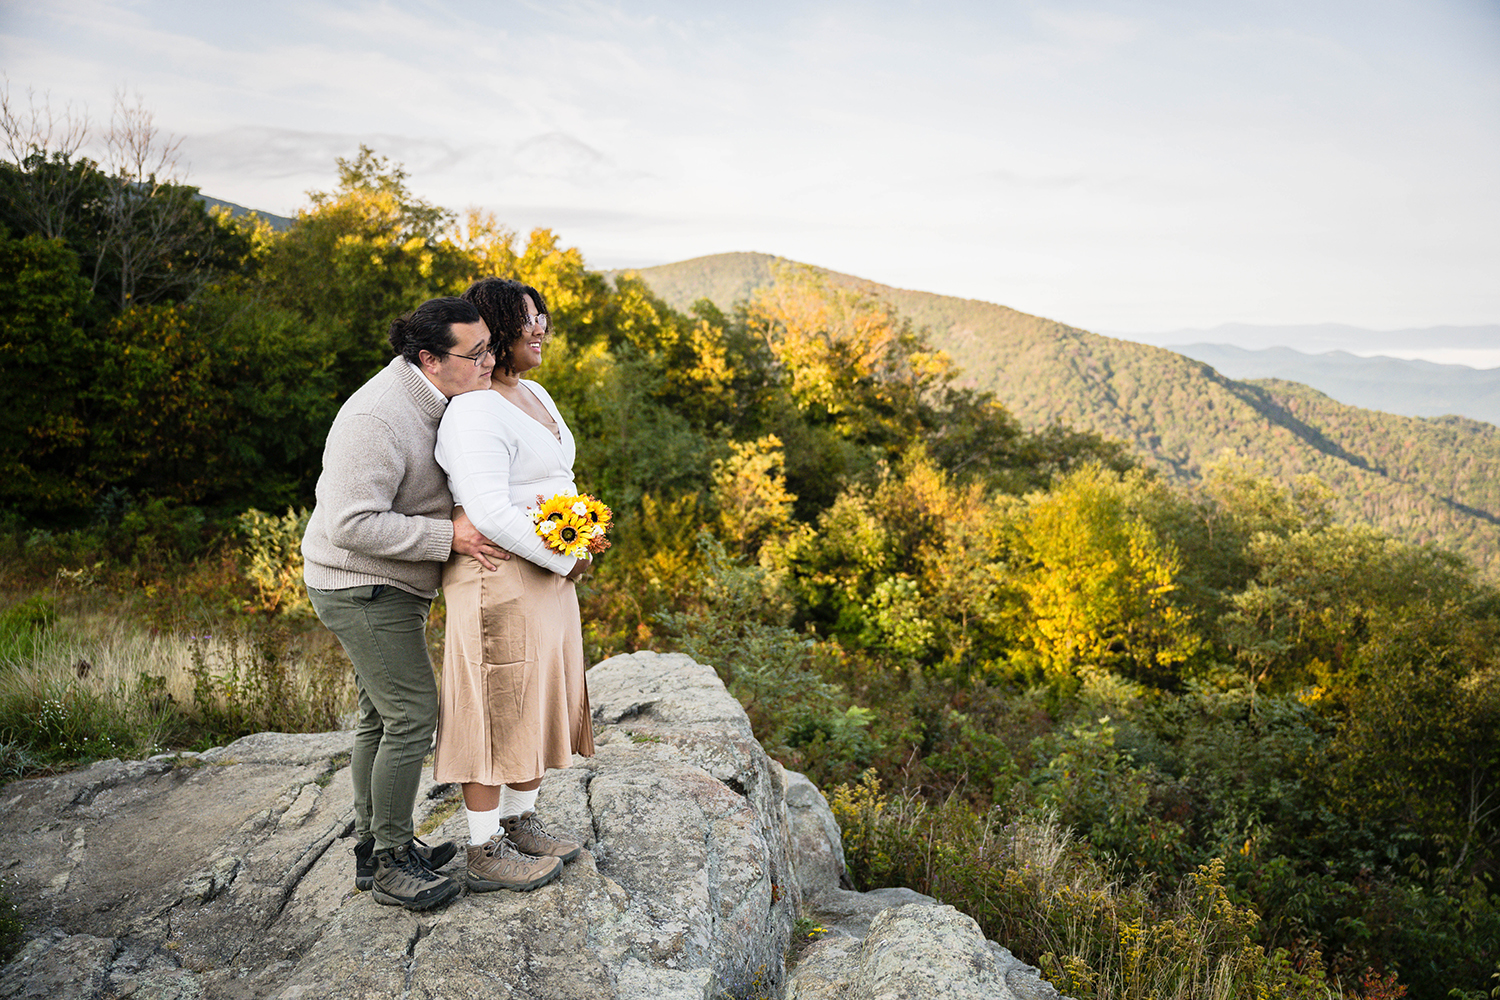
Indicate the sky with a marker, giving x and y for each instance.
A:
(1126, 167)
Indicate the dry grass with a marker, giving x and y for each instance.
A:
(1095, 934)
(98, 682)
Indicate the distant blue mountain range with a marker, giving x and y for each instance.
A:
(1394, 385)
(280, 223)
(1316, 338)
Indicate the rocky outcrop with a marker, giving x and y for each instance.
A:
(228, 875)
(915, 951)
(887, 944)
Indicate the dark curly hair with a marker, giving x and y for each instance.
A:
(502, 304)
(429, 327)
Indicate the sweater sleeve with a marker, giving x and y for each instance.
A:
(362, 470)
(477, 453)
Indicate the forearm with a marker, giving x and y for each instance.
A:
(509, 527)
(479, 463)
(390, 535)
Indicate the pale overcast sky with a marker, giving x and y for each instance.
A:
(1121, 166)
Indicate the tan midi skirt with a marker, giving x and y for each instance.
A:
(514, 701)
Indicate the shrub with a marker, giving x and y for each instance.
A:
(742, 632)
(21, 625)
(254, 680)
(273, 560)
(1054, 903)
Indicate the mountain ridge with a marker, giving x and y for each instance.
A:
(1409, 387)
(1424, 479)
(1322, 337)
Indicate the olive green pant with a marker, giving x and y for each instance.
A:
(384, 631)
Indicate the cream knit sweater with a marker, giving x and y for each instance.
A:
(383, 509)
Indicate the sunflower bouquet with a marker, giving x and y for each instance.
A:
(571, 524)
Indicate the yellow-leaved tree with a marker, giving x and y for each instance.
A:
(1098, 582)
(359, 257)
(750, 492)
(847, 358)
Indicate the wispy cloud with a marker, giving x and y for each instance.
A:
(1122, 165)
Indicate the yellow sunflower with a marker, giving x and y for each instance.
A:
(555, 508)
(571, 524)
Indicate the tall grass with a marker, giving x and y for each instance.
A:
(1095, 934)
(91, 683)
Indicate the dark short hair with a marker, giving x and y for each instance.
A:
(502, 303)
(429, 327)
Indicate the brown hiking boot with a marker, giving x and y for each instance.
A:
(401, 879)
(496, 864)
(530, 837)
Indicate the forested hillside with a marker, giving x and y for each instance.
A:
(1177, 736)
(1422, 479)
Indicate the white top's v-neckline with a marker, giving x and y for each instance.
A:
(553, 433)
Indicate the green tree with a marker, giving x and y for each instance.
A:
(45, 361)
(1098, 583)
(141, 235)
(1316, 593)
(360, 256)
(1418, 742)
(912, 569)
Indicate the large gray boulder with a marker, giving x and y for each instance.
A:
(818, 859)
(228, 874)
(916, 952)
(886, 944)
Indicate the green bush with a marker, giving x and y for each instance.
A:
(273, 559)
(23, 624)
(260, 681)
(741, 631)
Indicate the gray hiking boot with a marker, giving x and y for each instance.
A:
(530, 837)
(401, 879)
(496, 864)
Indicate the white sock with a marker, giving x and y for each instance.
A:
(482, 825)
(514, 803)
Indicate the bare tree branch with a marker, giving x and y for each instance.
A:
(42, 143)
(136, 150)
(152, 226)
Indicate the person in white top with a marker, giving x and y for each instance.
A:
(514, 701)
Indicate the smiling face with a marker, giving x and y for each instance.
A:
(527, 353)
(453, 373)
(517, 318)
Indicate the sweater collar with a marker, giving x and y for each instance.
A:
(426, 395)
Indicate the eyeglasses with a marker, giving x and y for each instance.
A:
(539, 321)
(478, 359)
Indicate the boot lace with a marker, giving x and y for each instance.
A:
(408, 862)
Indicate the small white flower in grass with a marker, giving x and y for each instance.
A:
(580, 508)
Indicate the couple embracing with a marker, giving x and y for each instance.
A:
(427, 473)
